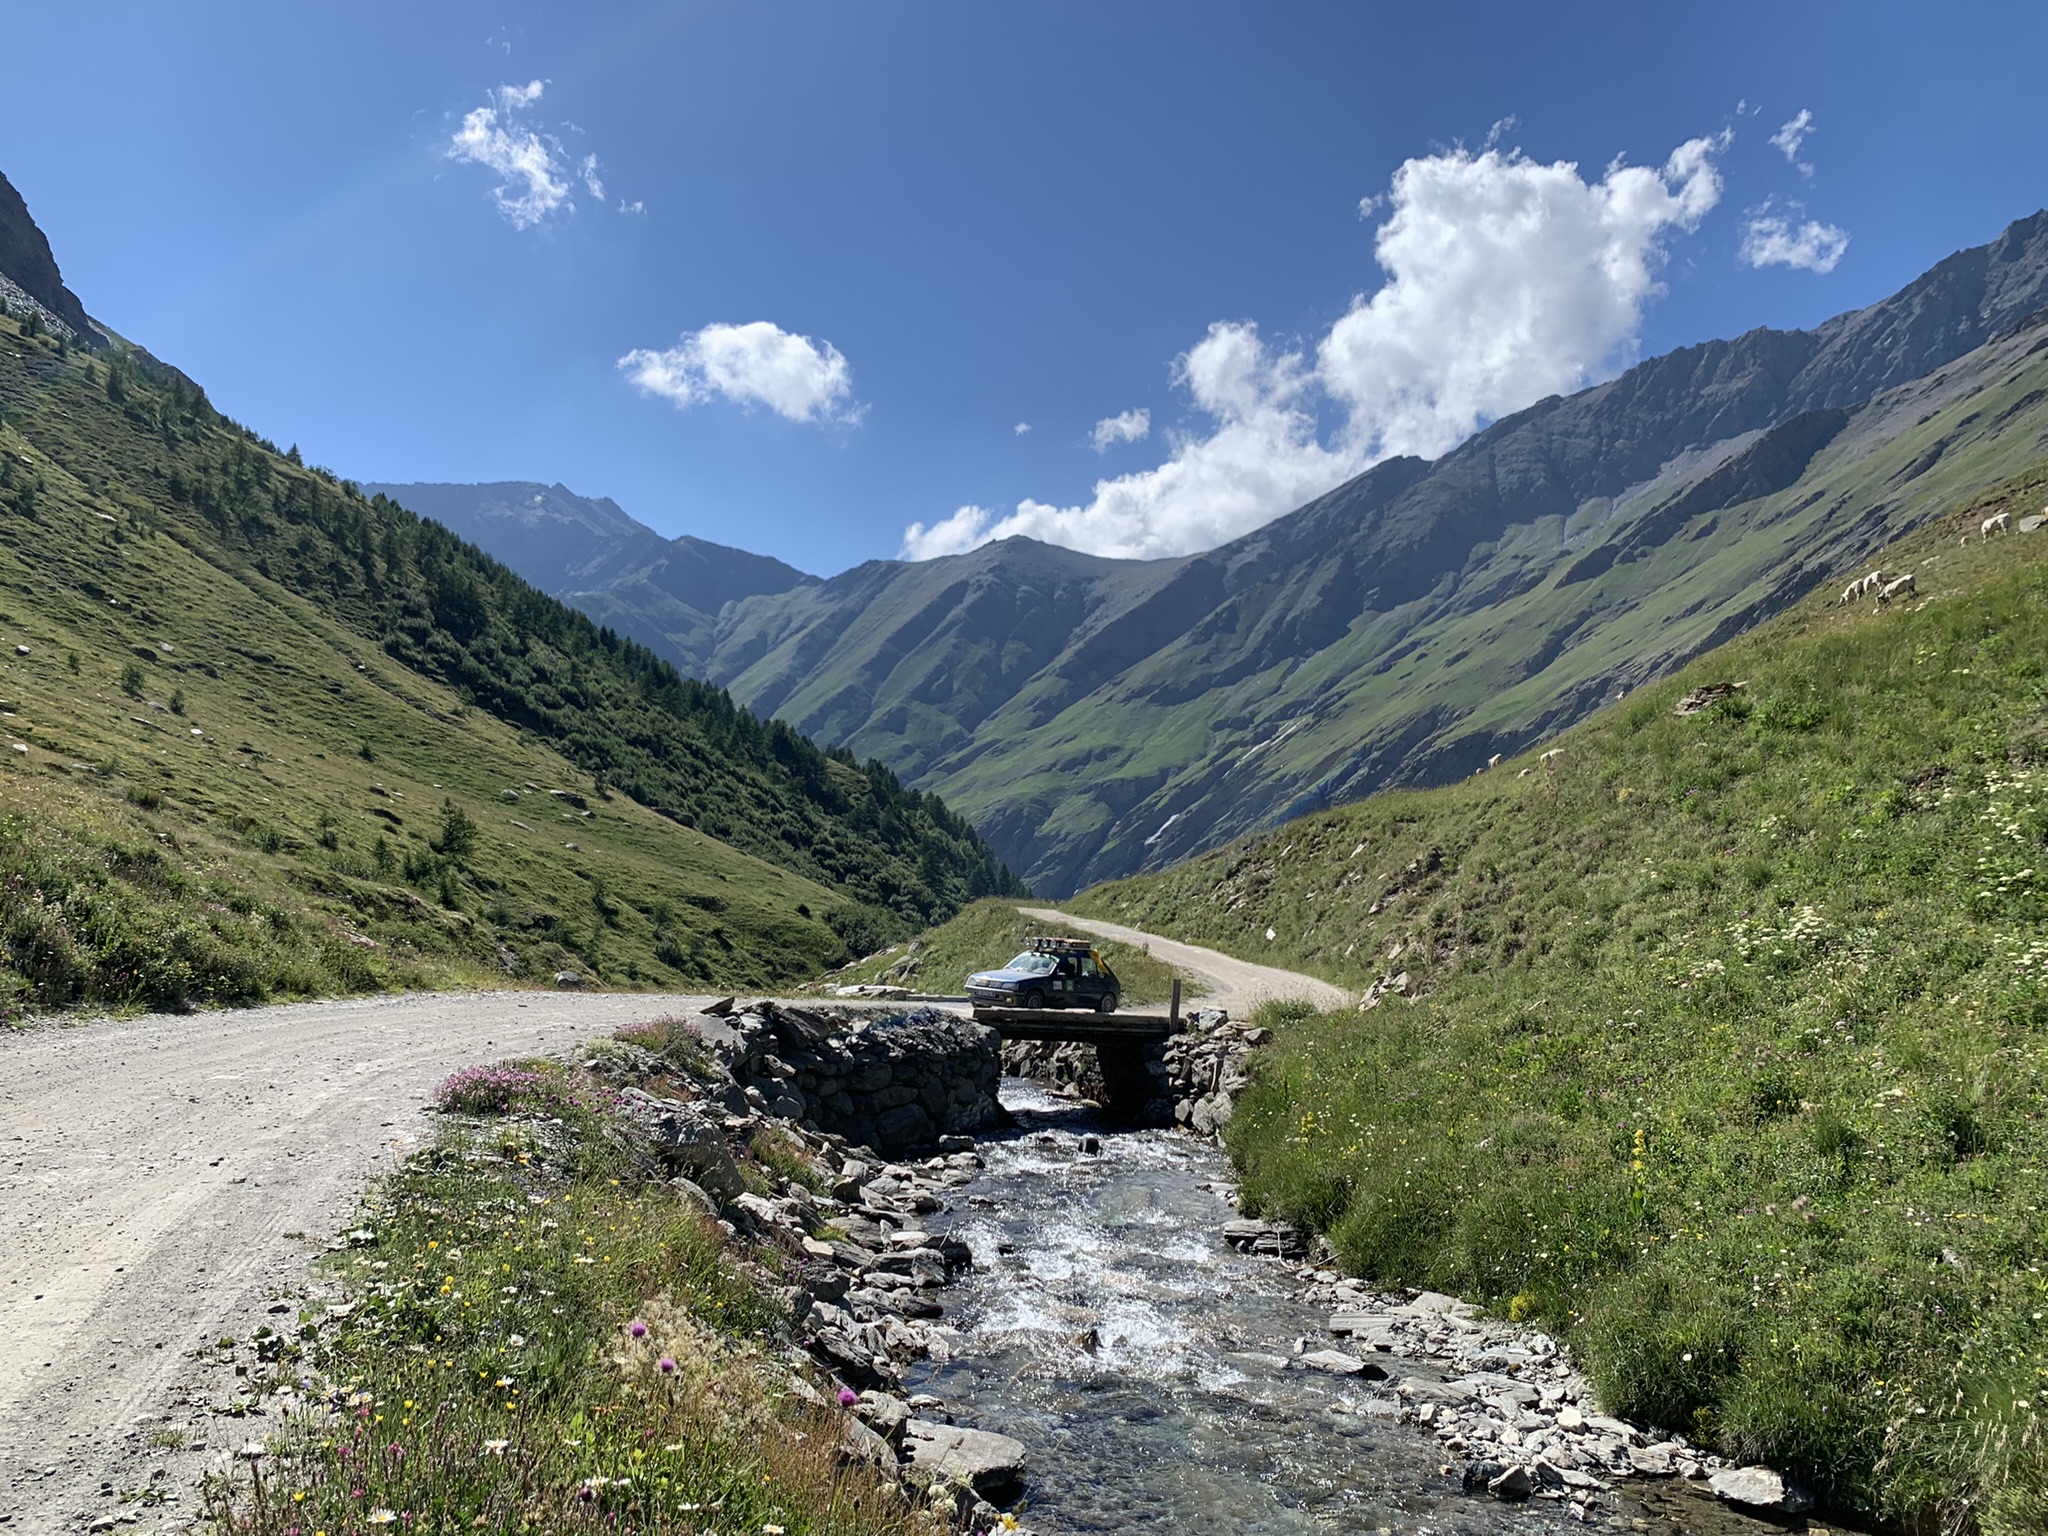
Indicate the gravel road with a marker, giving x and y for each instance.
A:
(163, 1179)
(1236, 985)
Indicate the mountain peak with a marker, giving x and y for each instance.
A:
(29, 278)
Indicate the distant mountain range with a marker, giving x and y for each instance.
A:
(1096, 717)
(665, 593)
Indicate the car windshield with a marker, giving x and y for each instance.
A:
(1031, 963)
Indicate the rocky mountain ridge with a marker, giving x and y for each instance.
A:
(29, 278)
(1096, 717)
(664, 593)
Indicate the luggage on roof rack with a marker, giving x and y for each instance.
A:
(1053, 946)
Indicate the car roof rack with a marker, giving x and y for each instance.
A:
(1052, 946)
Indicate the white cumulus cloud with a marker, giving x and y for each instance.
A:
(1506, 280)
(754, 364)
(536, 183)
(539, 178)
(1125, 427)
(1770, 239)
(1256, 457)
(1791, 135)
(1021, 428)
(517, 98)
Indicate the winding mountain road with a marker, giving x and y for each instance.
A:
(165, 1180)
(1236, 985)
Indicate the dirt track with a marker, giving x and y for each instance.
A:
(1237, 985)
(163, 1178)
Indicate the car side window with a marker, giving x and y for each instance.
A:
(1066, 968)
(1088, 968)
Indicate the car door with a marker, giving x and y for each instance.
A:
(1089, 983)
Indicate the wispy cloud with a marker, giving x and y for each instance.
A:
(1125, 427)
(1506, 280)
(539, 176)
(1791, 136)
(754, 364)
(1772, 239)
(1021, 428)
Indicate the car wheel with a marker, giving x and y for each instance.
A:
(1034, 998)
(1106, 1003)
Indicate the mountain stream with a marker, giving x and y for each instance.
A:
(1144, 1363)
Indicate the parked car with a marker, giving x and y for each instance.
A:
(1052, 973)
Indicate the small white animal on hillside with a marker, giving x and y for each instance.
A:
(1892, 589)
(1494, 761)
(1850, 593)
(1547, 758)
(2000, 522)
(1873, 581)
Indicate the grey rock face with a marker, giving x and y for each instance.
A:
(25, 258)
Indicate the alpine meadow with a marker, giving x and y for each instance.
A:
(808, 770)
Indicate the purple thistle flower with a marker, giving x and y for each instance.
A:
(638, 1330)
(667, 1364)
(848, 1397)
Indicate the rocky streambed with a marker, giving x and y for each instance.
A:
(1164, 1374)
(1072, 1319)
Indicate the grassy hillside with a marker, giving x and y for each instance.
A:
(982, 938)
(1729, 1054)
(1304, 690)
(265, 738)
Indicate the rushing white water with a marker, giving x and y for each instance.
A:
(1108, 1327)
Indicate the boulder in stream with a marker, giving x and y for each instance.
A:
(991, 1464)
(1760, 1491)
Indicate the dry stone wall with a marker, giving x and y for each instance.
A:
(892, 1079)
(1193, 1081)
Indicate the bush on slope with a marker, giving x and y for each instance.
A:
(1728, 1046)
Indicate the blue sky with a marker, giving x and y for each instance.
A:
(845, 251)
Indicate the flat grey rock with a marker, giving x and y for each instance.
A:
(1335, 1361)
(1424, 1390)
(991, 1464)
(1372, 1328)
(1652, 1460)
(1760, 1489)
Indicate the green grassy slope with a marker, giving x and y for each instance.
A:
(266, 738)
(1729, 1054)
(1233, 727)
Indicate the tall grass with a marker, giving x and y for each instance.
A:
(1729, 1054)
(544, 1339)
